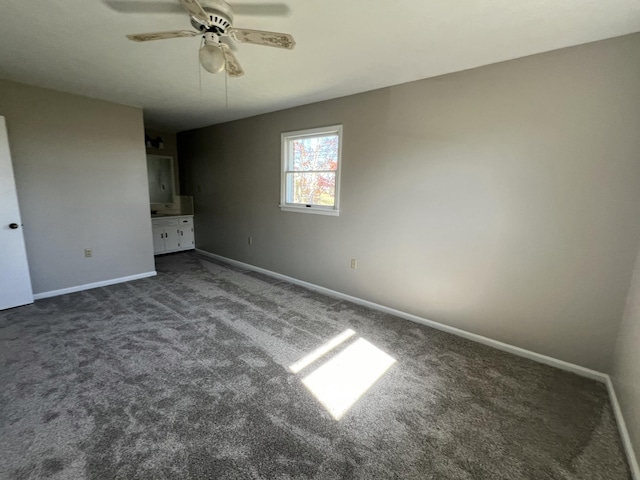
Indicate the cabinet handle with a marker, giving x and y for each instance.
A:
(162, 235)
(181, 233)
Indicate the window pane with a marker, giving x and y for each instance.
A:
(313, 188)
(315, 153)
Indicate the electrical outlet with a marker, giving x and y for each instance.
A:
(354, 263)
(250, 240)
(88, 252)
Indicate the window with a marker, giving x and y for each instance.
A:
(311, 170)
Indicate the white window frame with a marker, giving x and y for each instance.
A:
(285, 150)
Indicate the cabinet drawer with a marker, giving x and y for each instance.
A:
(164, 222)
(185, 221)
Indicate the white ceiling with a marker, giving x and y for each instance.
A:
(343, 47)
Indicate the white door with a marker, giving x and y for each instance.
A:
(158, 239)
(171, 238)
(15, 282)
(186, 236)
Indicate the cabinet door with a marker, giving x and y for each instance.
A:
(171, 238)
(186, 237)
(158, 239)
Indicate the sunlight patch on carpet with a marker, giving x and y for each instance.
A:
(321, 351)
(339, 383)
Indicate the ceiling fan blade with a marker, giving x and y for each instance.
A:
(138, 6)
(145, 37)
(229, 43)
(195, 9)
(259, 37)
(261, 9)
(232, 66)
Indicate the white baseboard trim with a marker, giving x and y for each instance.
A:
(521, 352)
(624, 433)
(88, 286)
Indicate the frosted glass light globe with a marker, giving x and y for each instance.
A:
(212, 58)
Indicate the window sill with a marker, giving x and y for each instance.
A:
(315, 211)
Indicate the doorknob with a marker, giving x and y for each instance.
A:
(13, 226)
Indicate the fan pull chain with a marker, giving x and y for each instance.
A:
(200, 71)
(226, 93)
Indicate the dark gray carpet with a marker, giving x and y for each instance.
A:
(186, 375)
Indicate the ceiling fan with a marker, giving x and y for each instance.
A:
(213, 19)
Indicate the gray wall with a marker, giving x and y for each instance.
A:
(626, 371)
(81, 175)
(502, 200)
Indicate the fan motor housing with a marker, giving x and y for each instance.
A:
(220, 17)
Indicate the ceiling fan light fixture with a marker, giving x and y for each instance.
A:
(212, 58)
(213, 20)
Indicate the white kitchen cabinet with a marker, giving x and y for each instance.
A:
(187, 239)
(172, 234)
(158, 240)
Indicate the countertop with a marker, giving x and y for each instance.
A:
(160, 215)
